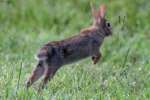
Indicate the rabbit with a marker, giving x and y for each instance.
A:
(55, 54)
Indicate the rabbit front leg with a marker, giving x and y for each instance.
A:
(96, 57)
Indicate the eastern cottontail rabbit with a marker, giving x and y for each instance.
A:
(55, 54)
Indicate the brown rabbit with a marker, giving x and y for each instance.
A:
(55, 54)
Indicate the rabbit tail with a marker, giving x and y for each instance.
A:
(44, 53)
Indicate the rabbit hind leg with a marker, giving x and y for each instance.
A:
(49, 73)
(36, 74)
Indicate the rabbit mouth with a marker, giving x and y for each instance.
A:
(108, 32)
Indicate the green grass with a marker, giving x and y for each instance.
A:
(122, 74)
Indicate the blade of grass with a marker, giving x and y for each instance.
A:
(20, 70)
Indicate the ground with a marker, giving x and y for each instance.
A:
(123, 73)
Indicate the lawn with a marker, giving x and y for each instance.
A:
(123, 73)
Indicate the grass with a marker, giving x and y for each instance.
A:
(123, 72)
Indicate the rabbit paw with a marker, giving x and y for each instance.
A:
(96, 58)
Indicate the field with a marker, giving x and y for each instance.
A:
(123, 73)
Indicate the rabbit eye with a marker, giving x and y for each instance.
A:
(108, 24)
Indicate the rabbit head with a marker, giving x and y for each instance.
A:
(100, 22)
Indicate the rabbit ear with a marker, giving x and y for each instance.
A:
(94, 11)
(95, 14)
(102, 10)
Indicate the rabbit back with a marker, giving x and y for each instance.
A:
(79, 47)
